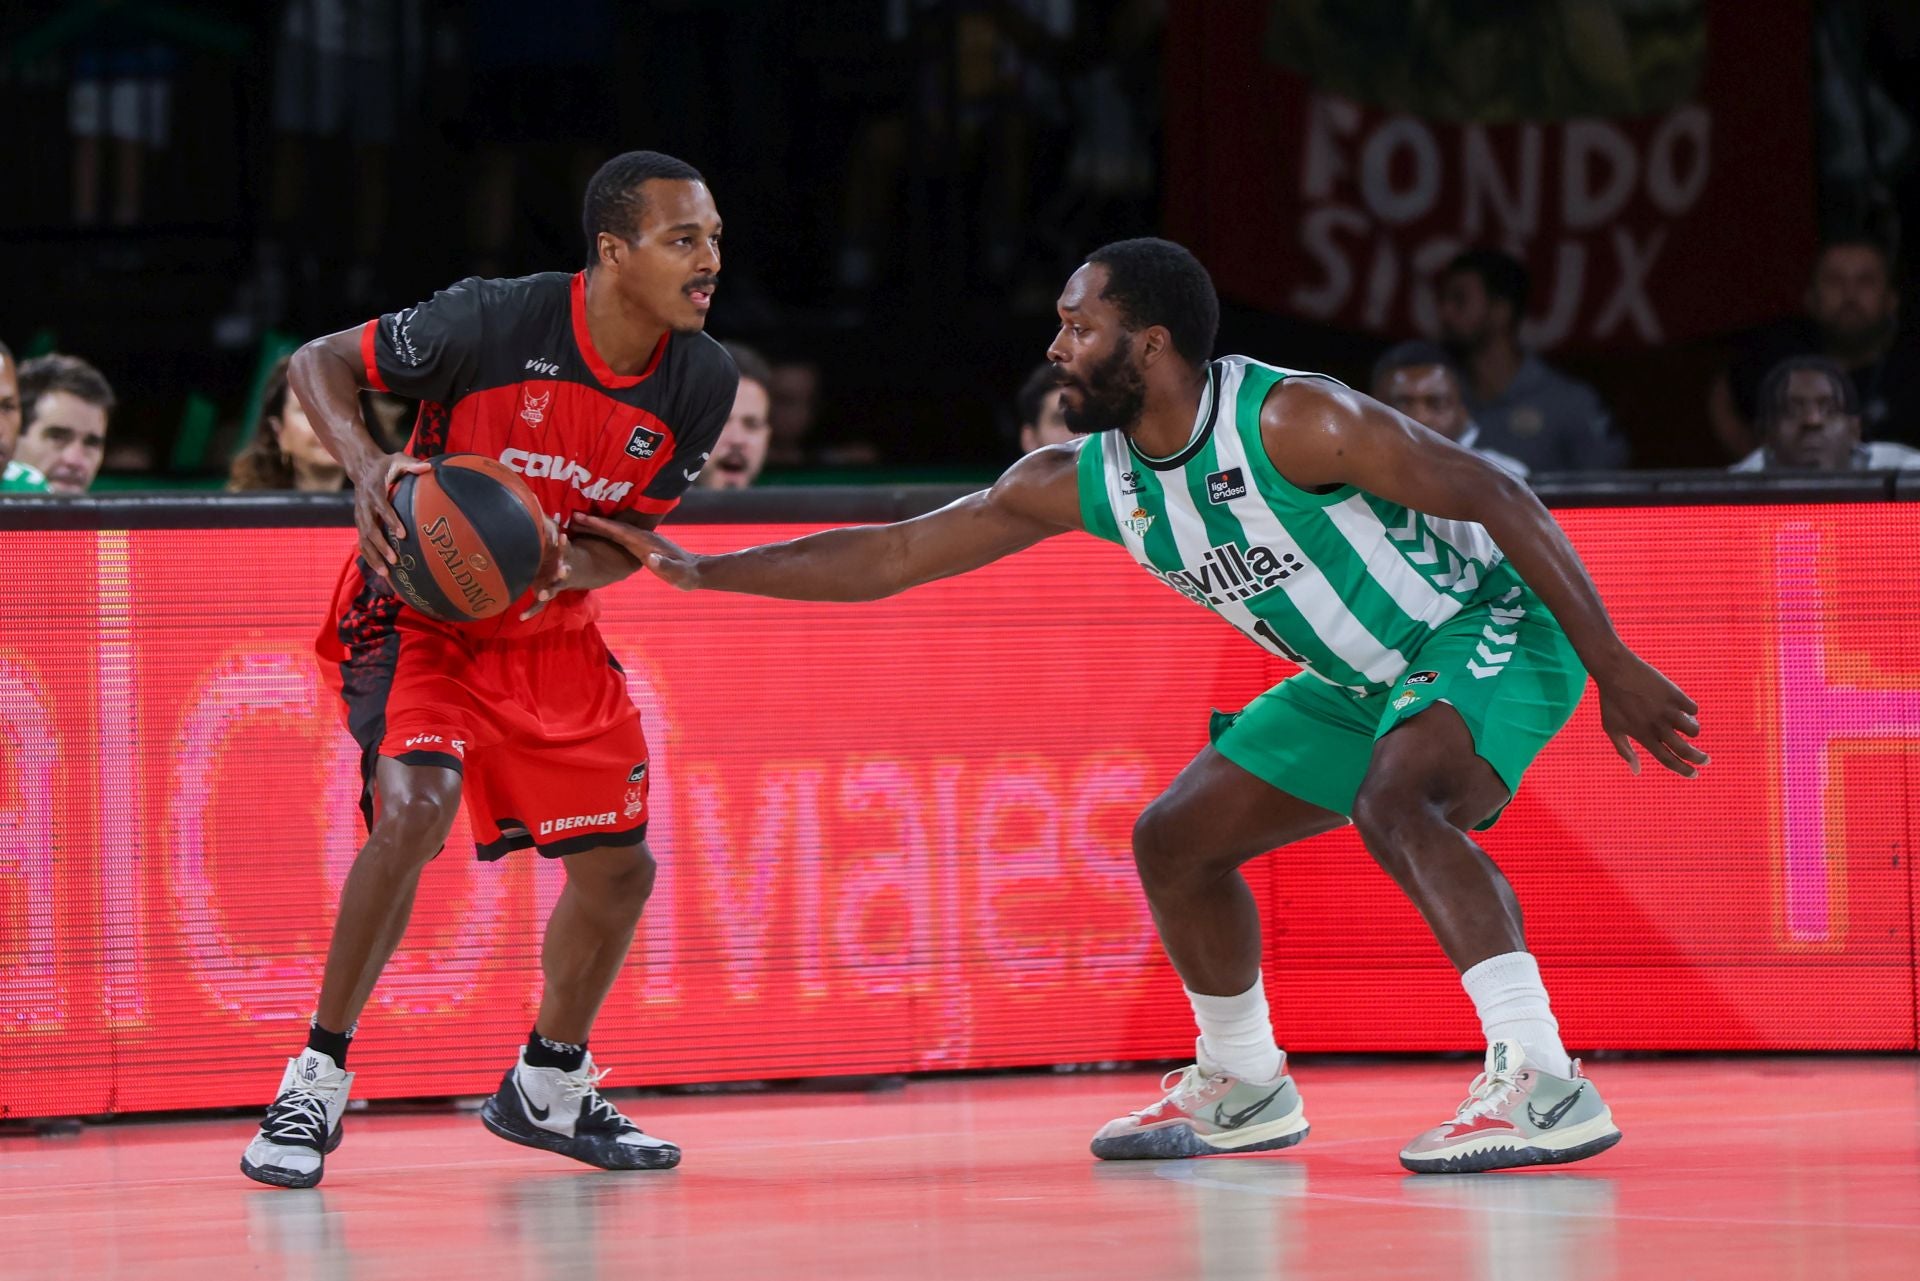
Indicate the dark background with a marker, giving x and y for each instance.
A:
(904, 181)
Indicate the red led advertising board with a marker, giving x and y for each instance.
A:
(894, 836)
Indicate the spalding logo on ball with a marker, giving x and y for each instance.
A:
(474, 538)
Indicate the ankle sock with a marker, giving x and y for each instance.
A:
(332, 1044)
(564, 1055)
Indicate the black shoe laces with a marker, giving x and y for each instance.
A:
(298, 1117)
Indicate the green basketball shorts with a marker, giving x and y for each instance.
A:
(1514, 680)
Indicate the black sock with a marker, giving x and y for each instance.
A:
(332, 1044)
(554, 1054)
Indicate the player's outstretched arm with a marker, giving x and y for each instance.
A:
(1036, 498)
(1318, 435)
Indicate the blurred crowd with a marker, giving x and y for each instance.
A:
(922, 175)
(1834, 389)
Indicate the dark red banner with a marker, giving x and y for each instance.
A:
(894, 836)
(1652, 163)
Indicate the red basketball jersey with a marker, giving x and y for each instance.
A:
(506, 368)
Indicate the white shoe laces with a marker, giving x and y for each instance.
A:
(585, 1085)
(1487, 1092)
(1180, 1084)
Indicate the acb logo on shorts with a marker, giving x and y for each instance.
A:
(637, 773)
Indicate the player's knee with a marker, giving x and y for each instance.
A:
(1391, 820)
(415, 823)
(622, 884)
(1160, 854)
(631, 885)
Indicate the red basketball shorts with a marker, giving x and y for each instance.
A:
(541, 729)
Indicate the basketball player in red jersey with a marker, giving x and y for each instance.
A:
(601, 389)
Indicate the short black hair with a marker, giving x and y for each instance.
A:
(1501, 275)
(613, 194)
(55, 372)
(1156, 282)
(752, 365)
(6, 354)
(1773, 388)
(1415, 353)
(1033, 393)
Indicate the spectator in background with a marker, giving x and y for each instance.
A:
(1810, 421)
(741, 451)
(64, 403)
(793, 408)
(793, 391)
(1524, 409)
(284, 452)
(1421, 381)
(1853, 316)
(1042, 420)
(14, 477)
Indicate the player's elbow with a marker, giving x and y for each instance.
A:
(332, 358)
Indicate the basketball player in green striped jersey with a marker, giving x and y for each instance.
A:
(1444, 628)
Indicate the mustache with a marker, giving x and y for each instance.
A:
(704, 284)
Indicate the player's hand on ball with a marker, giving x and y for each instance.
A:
(1639, 705)
(668, 561)
(555, 569)
(373, 512)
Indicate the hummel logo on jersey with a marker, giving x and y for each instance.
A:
(1555, 1114)
(1227, 574)
(1225, 486)
(540, 366)
(643, 443)
(554, 467)
(1130, 482)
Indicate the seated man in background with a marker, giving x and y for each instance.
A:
(64, 403)
(1852, 315)
(741, 451)
(1810, 421)
(1043, 420)
(1421, 381)
(14, 477)
(1525, 409)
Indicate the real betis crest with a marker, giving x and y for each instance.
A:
(1139, 522)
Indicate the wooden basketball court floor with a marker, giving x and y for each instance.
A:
(1749, 1168)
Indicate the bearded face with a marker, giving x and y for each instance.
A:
(1109, 396)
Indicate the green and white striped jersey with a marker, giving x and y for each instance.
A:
(1346, 584)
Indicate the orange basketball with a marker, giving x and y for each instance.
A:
(475, 537)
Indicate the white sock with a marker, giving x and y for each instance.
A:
(1512, 1003)
(1237, 1033)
